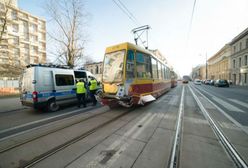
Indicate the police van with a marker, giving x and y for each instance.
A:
(49, 86)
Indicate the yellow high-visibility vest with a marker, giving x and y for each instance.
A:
(80, 88)
(93, 84)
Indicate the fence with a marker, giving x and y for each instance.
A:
(9, 86)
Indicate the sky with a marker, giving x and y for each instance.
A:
(214, 23)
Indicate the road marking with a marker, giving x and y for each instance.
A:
(219, 134)
(244, 128)
(239, 102)
(227, 105)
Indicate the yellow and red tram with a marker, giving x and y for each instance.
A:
(132, 75)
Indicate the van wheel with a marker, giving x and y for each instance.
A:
(52, 106)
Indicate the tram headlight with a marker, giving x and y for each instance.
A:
(121, 91)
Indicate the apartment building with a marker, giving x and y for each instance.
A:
(24, 38)
(239, 60)
(219, 64)
(95, 68)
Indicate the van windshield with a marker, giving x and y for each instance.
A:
(113, 67)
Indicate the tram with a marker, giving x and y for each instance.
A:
(132, 75)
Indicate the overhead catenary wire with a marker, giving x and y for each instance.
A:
(125, 10)
(191, 20)
(130, 13)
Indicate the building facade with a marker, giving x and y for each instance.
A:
(199, 72)
(23, 41)
(239, 60)
(95, 68)
(219, 64)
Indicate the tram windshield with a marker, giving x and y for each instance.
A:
(113, 67)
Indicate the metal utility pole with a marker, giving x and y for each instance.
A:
(206, 67)
(138, 32)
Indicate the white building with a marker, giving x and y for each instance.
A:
(239, 59)
(24, 38)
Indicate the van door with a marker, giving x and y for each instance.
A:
(64, 86)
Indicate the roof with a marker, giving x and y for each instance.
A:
(126, 45)
(240, 36)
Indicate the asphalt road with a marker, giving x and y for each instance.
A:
(146, 136)
(233, 100)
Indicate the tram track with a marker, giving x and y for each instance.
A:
(59, 147)
(175, 152)
(72, 141)
(23, 128)
(223, 139)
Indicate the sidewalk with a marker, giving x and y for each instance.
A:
(10, 104)
(239, 87)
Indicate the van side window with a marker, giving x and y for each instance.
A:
(64, 80)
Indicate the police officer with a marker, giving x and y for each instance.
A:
(93, 88)
(81, 90)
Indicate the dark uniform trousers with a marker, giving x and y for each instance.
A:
(81, 99)
(92, 95)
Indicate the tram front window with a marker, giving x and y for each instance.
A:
(113, 67)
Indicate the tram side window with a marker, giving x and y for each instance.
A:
(130, 64)
(167, 73)
(154, 68)
(143, 65)
(162, 71)
(159, 70)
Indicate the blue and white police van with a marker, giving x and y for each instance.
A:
(49, 86)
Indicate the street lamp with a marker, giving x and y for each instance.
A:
(206, 67)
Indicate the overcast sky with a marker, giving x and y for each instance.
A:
(215, 23)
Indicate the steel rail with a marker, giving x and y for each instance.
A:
(237, 159)
(174, 158)
(49, 132)
(72, 141)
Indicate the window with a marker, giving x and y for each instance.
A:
(34, 50)
(246, 43)
(1, 6)
(245, 63)
(64, 80)
(159, 70)
(16, 52)
(245, 77)
(143, 65)
(33, 38)
(240, 46)
(34, 28)
(234, 49)
(233, 63)
(15, 28)
(130, 64)
(154, 69)
(15, 40)
(14, 15)
(26, 37)
(239, 61)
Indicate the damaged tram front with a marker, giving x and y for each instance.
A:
(132, 75)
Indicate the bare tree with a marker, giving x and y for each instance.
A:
(3, 20)
(69, 20)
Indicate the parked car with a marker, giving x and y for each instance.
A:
(197, 82)
(207, 82)
(212, 82)
(230, 82)
(221, 83)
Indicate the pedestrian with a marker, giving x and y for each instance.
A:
(81, 90)
(93, 87)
